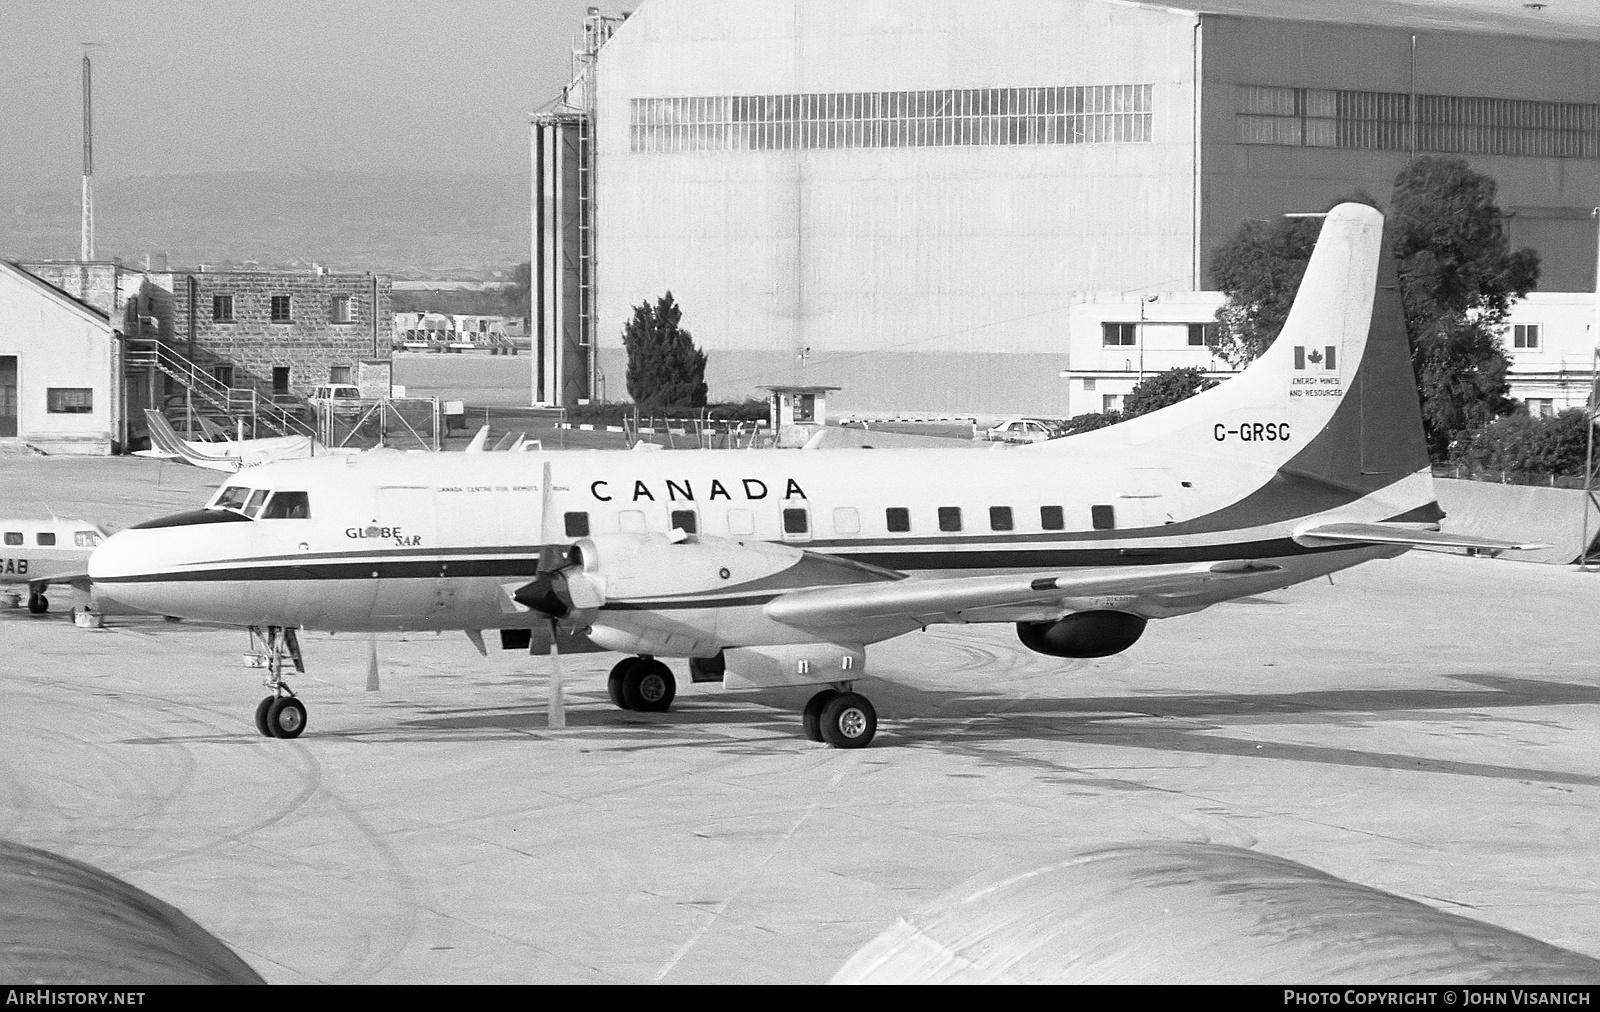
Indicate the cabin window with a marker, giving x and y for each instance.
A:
(898, 518)
(1000, 518)
(846, 520)
(231, 498)
(1104, 518)
(795, 521)
(631, 521)
(1052, 518)
(686, 521)
(288, 506)
(577, 524)
(85, 539)
(257, 498)
(949, 518)
(13, 537)
(46, 538)
(741, 522)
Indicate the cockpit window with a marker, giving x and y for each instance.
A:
(85, 539)
(288, 506)
(231, 498)
(253, 507)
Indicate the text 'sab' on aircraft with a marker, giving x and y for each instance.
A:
(779, 569)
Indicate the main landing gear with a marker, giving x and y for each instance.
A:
(838, 716)
(280, 715)
(842, 718)
(643, 684)
(38, 604)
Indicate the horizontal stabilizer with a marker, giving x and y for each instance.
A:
(929, 598)
(1412, 536)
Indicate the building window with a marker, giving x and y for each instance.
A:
(1525, 335)
(960, 117)
(280, 309)
(339, 374)
(950, 519)
(1110, 403)
(221, 309)
(1541, 407)
(1387, 121)
(1000, 518)
(280, 379)
(1052, 518)
(69, 400)
(1119, 334)
(577, 524)
(46, 539)
(1104, 518)
(339, 309)
(898, 519)
(1203, 335)
(686, 521)
(223, 374)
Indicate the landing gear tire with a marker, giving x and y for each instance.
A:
(614, 681)
(286, 717)
(811, 718)
(38, 604)
(261, 716)
(648, 686)
(848, 721)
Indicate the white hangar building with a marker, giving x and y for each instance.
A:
(929, 203)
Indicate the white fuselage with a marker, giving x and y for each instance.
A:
(37, 552)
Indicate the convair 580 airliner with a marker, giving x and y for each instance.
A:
(771, 569)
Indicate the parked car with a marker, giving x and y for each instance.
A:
(1023, 430)
(342, 399)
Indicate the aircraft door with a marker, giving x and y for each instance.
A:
(1150, 498)
(413, 580)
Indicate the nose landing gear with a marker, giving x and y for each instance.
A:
(280, 715)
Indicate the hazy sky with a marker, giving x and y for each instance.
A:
(192, 85)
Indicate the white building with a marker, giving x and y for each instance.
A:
(60, 369)
(1552, 346)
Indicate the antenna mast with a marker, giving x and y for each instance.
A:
(86, 244)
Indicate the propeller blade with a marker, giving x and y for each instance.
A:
(557, 709)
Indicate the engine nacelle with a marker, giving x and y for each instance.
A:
(1084, 634)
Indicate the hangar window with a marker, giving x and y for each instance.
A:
(1397, 121)
(1116, 334)
(898, 519)
(13, 537)
(288, 506)
(45, 538)
(69, 400)
(1052, 518)
(686, 521)
(280, 309)
(1000, 518)
(221, 309)
(1525, 335)
(577, 524)
(950, 519)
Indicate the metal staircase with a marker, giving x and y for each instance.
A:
(207, 393)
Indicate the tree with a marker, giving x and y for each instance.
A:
(1555, 445)
(1458, 276)
(1259, 269)
(665, 369)
(1163, 389)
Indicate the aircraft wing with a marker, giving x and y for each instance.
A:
(1412, 536)
(929, 599)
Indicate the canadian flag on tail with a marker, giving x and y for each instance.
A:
(1324, 359)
